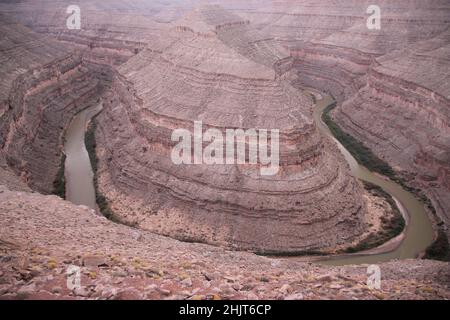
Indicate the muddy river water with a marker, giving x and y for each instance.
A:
(418, 234)
(78, 170)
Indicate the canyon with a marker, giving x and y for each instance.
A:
(158, 67)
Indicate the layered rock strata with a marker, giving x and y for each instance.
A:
(44, 86)
(327, 45)
(233, 69)
(110, 33)
(407, 97)
(311, 204)
(391, 84)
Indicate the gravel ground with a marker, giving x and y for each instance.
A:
(42, 237)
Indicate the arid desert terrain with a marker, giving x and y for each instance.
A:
(93, 92)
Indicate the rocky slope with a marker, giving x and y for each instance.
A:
(42, 236)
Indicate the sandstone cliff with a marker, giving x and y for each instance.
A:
(44, 86)
(226, 83)
(392, 84)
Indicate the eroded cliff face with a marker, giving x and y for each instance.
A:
(45, 85)
(311, 204)
(242, 68)
(110, 33)
(391, 84)
(409, 116)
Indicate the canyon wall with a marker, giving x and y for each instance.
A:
(204, 74)
(406, 96)
(241, 68)
(110, 32)
(160, 65)
(392, 84)
(44, 86)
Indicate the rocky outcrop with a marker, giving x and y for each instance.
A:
(311, 204)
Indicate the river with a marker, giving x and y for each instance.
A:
(78, 170)
(418, 234)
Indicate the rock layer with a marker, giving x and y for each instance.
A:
(311, 204)
(239, 68)
(242, 67)
(45, 85)
(391, 84)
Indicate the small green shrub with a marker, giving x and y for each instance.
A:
(59, 185)
(391, 227)
(439, 249)
(358, 150)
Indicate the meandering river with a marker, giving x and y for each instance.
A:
(78, 170)
(418, 234)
